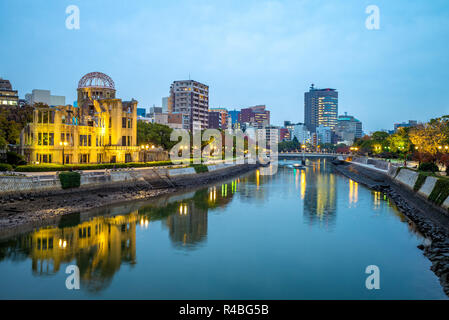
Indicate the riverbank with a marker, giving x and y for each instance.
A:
(32, 210)
(430, 220)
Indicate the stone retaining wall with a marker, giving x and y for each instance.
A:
(404, 177)
(21, 184)
(407, 178)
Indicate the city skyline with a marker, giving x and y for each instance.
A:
(263, 52)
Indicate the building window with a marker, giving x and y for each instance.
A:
(123, 122)
(129, 141)
(45, 139)
(110, 122)
(130, 123)
(84, 158)
(124, 141)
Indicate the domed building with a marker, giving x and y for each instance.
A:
(99, 129)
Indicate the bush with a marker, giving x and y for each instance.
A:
(70, 180)
(428, 167)
(5, 167)
(200, 168)
(14, 158)
(67, 167)
(440, 192)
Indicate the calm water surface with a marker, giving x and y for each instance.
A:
(299, 234)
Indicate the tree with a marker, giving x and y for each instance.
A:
(154, 134)
(399, 142)
(12, 121)
(290, 145)
(428, 137)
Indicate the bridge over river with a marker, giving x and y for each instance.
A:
(284, 155)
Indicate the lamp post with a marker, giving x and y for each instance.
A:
(303, 147)
(63, 144)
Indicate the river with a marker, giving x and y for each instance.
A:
(298, 234)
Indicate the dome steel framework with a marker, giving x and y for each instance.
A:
(96, 80)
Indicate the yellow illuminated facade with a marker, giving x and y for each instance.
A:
(100, 129)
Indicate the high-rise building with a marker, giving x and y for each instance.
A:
(154, 110)
(223, 117)
(411, 123)
(8, 96)
(44, 96)
(234, 114)
(191, 98)
(284, 134)
(320, 108)
(324, 134)
(256, 116)
(271, 136)
(165, 104)
(301, 133)
(214, 120)
(348, 128)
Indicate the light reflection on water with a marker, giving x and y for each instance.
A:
(300, 234)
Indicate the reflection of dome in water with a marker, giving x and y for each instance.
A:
(96, 80)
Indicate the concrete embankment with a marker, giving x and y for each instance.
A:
(43, 206)
(410, 193)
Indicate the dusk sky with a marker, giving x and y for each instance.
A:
(248, 52)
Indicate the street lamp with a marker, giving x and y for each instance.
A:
(63, 144)
(303, 147)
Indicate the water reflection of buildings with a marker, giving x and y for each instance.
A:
(251, 186)
(99, 247)
(319, 191)
(188, 226)
(353, 192)
(102, 244)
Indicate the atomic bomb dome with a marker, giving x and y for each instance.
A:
(96, 80)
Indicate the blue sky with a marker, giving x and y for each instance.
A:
(248, 52)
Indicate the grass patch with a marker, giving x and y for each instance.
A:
(5, 167)
(200, 168)
(419, 182)
(70, 180)
(440, 192)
